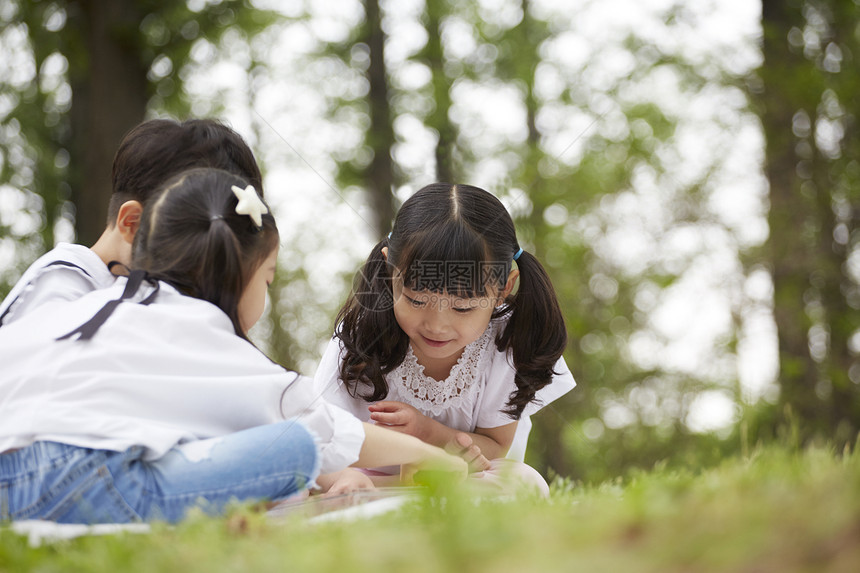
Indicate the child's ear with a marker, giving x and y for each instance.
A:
(128, 219)
(385, 253)
(510, 284)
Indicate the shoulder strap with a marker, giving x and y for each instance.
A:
(5, 312)
(51, 264)
(68, 264)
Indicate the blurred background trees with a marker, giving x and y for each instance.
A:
(77, 76)
(691, 191)
(808, 101)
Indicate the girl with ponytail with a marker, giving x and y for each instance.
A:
(145, 399)
(435, 342)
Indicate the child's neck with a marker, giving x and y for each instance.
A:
(437, 368)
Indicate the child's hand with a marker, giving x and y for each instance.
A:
(440, 465)
(462, 445)
(402, 418)
(344, 481)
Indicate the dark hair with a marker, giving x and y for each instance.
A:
(192, 238)
(158, 149)
(439, 225)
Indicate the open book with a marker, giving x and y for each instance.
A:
(354, 505)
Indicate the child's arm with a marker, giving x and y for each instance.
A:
(386, 481)
(400, 417)
(383, 447)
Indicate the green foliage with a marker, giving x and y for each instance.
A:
(777, 510)
(565, 218)
(33, 122)
(169, 32)
(41, 154)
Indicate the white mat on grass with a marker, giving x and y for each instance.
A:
(39, 531)
(346, 507)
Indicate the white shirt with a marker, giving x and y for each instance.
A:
(48, 280)
(154, 376)
(473, 395)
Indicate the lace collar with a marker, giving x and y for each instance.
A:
(436, 396)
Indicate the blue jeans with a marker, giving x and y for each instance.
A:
(70, 484)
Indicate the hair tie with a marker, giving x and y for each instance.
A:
(216, 217)
(113, 264)
(520, 252)
(389, 235)
(250, 204)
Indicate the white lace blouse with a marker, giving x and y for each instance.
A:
(472, 396)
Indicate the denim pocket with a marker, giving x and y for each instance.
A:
(64, 483)
(94, 500)
(48, 472)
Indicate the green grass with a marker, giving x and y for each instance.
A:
(773, 511)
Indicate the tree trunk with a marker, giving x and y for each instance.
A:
(790, 254)
(439, 119)
(843, 318)
(109, 97)
(380, 172)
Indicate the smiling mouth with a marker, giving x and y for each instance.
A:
(434, 343)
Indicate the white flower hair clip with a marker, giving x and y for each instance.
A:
(250, 204)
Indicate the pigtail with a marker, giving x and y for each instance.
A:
(373, 342)
(535, 333)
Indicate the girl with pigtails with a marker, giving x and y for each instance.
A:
(435, 343)
(145, 399)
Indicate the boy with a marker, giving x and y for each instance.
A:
(148, 155)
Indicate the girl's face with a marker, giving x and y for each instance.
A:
(440, 326)
(253, 299)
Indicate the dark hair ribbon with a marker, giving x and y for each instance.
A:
(135, 278)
